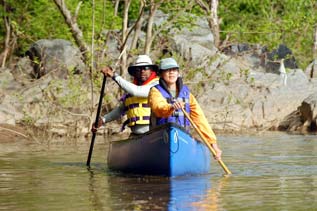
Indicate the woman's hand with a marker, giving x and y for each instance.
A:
(178, 105)
(218, 152)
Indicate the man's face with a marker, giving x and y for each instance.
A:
(142, 73)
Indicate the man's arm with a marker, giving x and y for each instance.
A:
(116, 113)
(130, 88)
(135, 90)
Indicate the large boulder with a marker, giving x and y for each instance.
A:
(303, 119)
(235, 96)
(55, 55)
(195, 44)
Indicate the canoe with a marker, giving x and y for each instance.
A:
(167, 150)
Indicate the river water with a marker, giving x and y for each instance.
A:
(272, 171)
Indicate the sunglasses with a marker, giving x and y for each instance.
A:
(139, 69)
(174, 69)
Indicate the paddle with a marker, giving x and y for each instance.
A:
(206, 142)
(97, 120)
(99, 109)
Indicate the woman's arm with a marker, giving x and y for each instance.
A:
(158, 104)
(198, 117)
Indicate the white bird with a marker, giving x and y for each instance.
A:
(283, 73)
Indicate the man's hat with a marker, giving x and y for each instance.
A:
(142, 61)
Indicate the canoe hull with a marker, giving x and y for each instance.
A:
(167, 150)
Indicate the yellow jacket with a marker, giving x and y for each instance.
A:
(161, 108)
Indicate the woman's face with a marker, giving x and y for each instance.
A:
(170, 75)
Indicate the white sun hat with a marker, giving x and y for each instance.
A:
(142, 61)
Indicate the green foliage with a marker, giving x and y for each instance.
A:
(271, 23)
(27, 119)
(104, 18)
(133, 10)
(265, 22)
(179, 12)
(226, 77)
(33, 20)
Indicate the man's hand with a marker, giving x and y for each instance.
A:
(100, 123)
(107, 71)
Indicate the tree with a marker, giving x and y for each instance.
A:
(271, 23)
(210, 7)
(71, 21)
(146, 13)
(10, 36)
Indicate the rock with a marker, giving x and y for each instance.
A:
(9, 114)
(55, 55)
(311, 70)
(303, 119)
(308, 111)
(234, 91)
(8, 82)
(272, 63)
(23, 71)
(194, 45)
(238, 96)
(291, 122)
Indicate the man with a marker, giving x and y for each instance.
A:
(134, 102)
(168, 97)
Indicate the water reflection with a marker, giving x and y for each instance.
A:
(95, 199)
(157, 193)
(195, 193)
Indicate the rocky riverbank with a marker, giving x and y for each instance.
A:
(242, 88)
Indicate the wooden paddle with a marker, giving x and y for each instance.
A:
(97, 120)
(206, 142)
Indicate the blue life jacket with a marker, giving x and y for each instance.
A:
(178, 116)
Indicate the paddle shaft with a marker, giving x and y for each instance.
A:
(206, 142)
(97, 120)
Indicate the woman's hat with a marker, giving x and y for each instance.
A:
(142, 61)
(168, 63)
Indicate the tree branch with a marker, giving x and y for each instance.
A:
(203, 5)
(77, 11)
(76, 32)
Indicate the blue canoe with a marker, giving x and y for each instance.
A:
(167, 150)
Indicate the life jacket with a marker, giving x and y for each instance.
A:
(137, 108)
(178, 116)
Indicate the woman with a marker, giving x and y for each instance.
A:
(167, 98)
